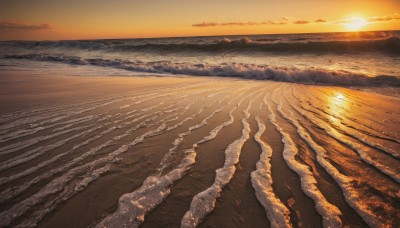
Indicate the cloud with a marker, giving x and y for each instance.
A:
(301, 22)
(320, 21)
(274, 22)
(345, 21)
(14, 25)
(249, 23)
(394, 17)
(206, 24)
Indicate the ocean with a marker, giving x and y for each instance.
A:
(357, 58)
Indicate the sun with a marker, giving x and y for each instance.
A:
(355, 23)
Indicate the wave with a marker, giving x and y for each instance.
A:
(389, 45)
(247, 71)
(233, 70)
(241, 70)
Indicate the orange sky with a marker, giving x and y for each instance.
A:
(87, 19)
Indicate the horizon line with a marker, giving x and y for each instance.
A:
(176, 37)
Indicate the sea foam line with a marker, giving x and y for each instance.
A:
(261, 180)
(356, 134)
(204, 202)
(363, 154)
(22, 207)
(69, 175)
(54, 186)
(323, 103)
(20, 145)
(98, 172)
(58, 117)
(134, 206)
(178, 141)
(32, 169)
(36, 111)
(29, 155)
(347, 108)
(330, 213)
(352, 131)
(9, 193)
(114, 126)
(351, 195)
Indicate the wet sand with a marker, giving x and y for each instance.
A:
(144, 151)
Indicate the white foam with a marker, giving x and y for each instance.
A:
(362, 151)
(9, 193)
(204, 202)
(30, 170)
(351, 194)
(368, 138)
(67, 193)
(55, 116)
(330, 213)
(134, 206)
(29, 155)
(178, 141)
(57, 184)
(261, 180)
(243, 70)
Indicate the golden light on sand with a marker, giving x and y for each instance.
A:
(337, 106)
(340, 96)
(355, 23)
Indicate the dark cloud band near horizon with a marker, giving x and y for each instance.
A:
(301, 22)
(14, 25)
(284, 21)
(395, 17)
(250, 23)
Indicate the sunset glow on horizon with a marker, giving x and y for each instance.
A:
(97, 19)
(355, 24)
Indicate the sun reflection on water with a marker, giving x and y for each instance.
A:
(337, 105)
(340, 96)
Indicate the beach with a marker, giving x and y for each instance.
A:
(169, 151)
(239, 114)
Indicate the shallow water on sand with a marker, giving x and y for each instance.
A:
(207, 152)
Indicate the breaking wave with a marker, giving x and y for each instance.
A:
(389, 45)
(248, 71)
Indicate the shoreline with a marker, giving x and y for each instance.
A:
(21, 89)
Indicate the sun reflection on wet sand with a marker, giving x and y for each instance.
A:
(337, 104)
(340, 96)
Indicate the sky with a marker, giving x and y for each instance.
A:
(98, 19)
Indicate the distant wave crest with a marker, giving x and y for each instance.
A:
(248, 71)
(389, 45)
